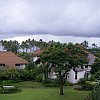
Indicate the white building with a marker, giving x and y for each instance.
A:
(75, 74)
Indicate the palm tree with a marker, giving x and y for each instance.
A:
(33, 44)
(94, 45)
(15, 46)
(29, 44)
(10, 45)
(23, 46)
(84, 44)
(4, 44)
(26, 45)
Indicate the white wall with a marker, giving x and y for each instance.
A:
(35, 59)
(71, 76)
(21, 66)
(2, 67)
(52, 75)
(80, 74)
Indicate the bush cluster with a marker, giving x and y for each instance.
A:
(51, 83)
(84, 85)
(95, 94)
(17, 75)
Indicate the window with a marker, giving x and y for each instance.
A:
(20, 66)
(75, 75)
(17, 64)
(86, 66)
(86, 75)
(2, 64)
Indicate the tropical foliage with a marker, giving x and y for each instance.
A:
(62, 58)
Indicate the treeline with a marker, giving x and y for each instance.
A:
(31, 45)
(15, 46)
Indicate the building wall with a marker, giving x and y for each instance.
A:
(35, 59)
(71, 76)
(21, 66)
(80, 74)
(2, 66)
(52, 75)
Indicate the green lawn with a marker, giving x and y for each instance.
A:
(44, 93)
(29, 84)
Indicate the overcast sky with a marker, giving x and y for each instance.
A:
(78, 19)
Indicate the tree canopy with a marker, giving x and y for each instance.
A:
(62, 58)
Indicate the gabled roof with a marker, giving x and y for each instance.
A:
(91, 57)
(10, 59)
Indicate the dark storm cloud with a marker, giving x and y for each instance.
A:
(56, 17)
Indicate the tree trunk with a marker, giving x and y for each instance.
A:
(23, 52)
(46, 75)
(61, 83)
(26, 50)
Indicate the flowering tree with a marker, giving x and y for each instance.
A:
(63, 58)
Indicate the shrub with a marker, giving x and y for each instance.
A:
(95, 94)
(92, 83)
(91, 78)
(69, 83)
(51, 83)
(77, 87)
(86, 87)
(82, 81)
(17, 75)
(39, 78)
(6, 82)
(9, 82)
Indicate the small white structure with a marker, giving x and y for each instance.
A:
(75, 74)
(35, 59)
(52, 74)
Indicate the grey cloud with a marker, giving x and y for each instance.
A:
(56, 17)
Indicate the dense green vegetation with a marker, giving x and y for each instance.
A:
(52, 56)
(35, 91)
(62, 58)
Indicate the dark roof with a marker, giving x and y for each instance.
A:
(10, 59)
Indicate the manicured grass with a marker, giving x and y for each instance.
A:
(44, 93)
(28, 84)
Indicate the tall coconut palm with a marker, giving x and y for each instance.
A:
(22, 46)
(85, 44)
(94, 45)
